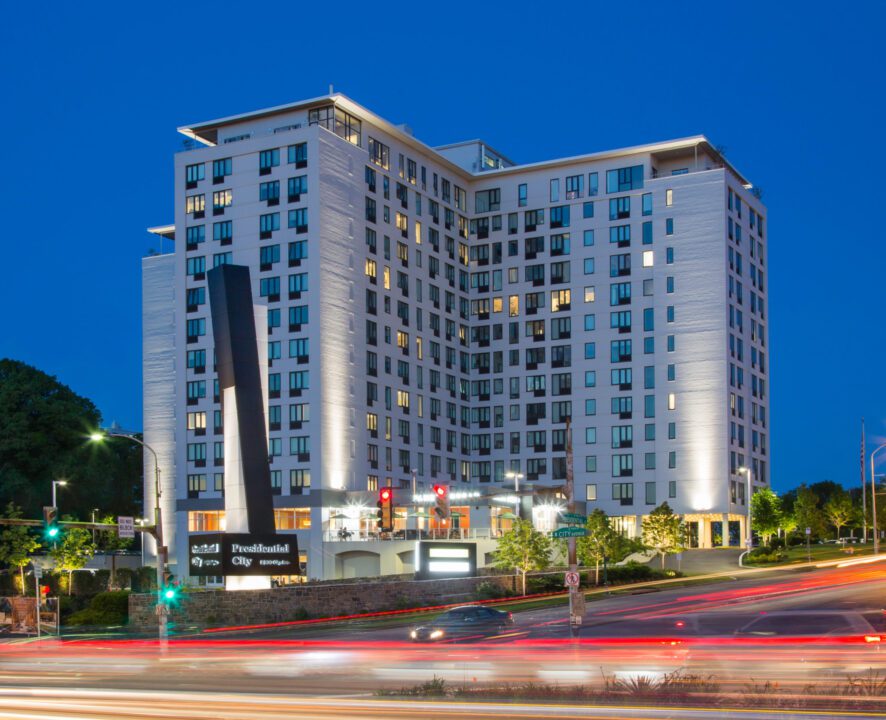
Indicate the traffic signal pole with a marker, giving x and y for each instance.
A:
(576, 598)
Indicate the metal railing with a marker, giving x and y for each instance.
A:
(413, 534)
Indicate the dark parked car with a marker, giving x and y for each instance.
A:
(464, 622)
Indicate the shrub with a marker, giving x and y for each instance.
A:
(764, 555)
(106, 608)
(544, 583)
(490, 591)
(776, 543)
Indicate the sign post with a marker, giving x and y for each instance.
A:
(38, 573)
(808, 549)
(576, 599)
(125, 527)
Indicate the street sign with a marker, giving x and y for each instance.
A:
(572, 579)
(566, 532)
(573, 518)
(38, 572)
(809, 531)
(125, 527)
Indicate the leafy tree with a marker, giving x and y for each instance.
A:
(838, 510)
(663, 531)
(523, 548)
(72, 552)
(109, 541)
(16, 543)
(766, 514)
(43, 430)
(807, 512)
(601, 542)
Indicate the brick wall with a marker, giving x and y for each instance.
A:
(244, 607)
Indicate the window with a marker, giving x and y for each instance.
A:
(268, 159)
(590, 322)
(593, 184)
(220, 200)
(298, 219)
(647, 258)
(624, 179)
(194, 174)
(298, 251)
(270, 288)
(195, 235)
(379, 153)
(620, 293)
(620, 351)
(196, 267)
(297, 186)
(650, 486)
(269, 192)
(574, 187)
(620, 208)
(221, 169)
(195, 205)
(623, 491)
(669, 198)
(560, 216)
(669, 226)
(297, 155)
(590, 294)
(487, 200)
(647, 203)
(223, 232)
(620, 234)
(267, 224)
(521, 195)
(619, 265)
(590, 488)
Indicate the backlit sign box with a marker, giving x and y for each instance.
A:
(242, 554)
(445, 560)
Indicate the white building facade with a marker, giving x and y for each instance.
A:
(437, 315)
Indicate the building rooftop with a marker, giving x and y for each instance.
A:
(207, 133)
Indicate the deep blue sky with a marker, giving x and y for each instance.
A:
(795, 92)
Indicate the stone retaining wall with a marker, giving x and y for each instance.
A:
(246, 607)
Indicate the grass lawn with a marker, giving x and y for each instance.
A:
(817, 552)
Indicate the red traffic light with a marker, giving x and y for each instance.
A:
(385, 494)
(440, 491)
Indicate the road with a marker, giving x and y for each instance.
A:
(140, 705)
(630, 642)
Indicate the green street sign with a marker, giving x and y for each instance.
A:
(573, 518)
(566, 532)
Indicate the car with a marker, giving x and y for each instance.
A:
(463, 622)
(809, 623)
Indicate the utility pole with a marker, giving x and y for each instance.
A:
(576, 598)
(864, 491)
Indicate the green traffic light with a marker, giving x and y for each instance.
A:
(169, 594)
(52, 532)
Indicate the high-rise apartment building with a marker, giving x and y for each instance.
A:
(437, 315)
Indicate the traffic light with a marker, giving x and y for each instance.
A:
(50, 522)
(170, 591)
(385, 506)
(441, 496)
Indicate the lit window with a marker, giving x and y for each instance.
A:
(672, 401)
(590, 294)
(647, 258)
(669, 197)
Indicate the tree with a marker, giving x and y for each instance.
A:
(72, 552)
(807, 512)
(838, 510)
(109, 541)
(523, 548)
(43, 430)
(601, 543)
(16, 544)
(663, 531)
(766, 514)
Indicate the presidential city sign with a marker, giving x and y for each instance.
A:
(242, 554)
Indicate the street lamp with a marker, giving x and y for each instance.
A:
(748, 472)
(162, 553)
(516, 477)
(874, 500)
(55, 484)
